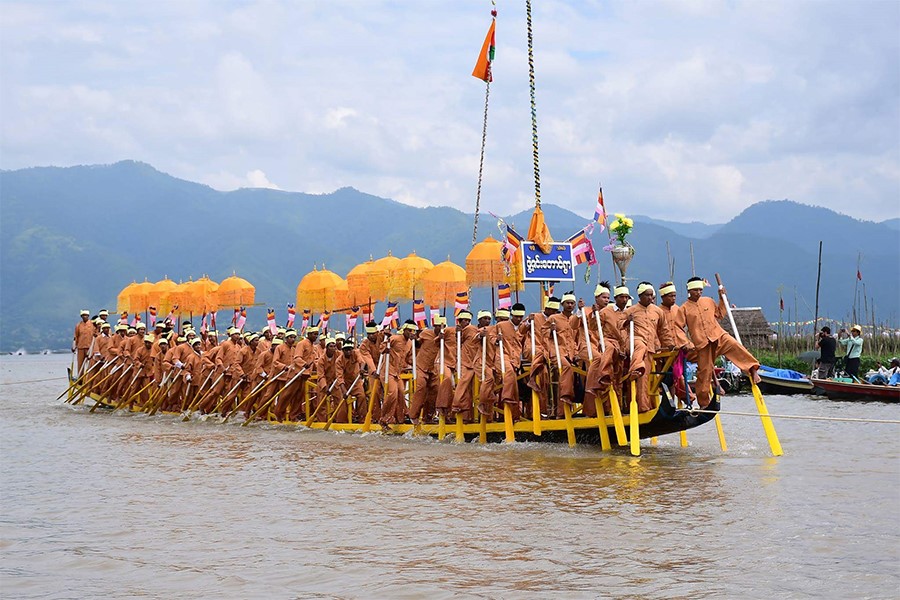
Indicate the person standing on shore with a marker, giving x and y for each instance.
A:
(853, 344)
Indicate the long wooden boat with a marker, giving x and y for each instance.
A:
(664, 418)
(844, 390)
(783, 381)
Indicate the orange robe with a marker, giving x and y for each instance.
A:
(710, 341)
(393, 411)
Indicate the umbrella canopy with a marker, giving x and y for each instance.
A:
(443, 282)
(181, 297)
(367, 281)
(235, 292)
(406, 276)
(139, 298)
(159, 295)
(378, 286)
(485, 268)
(203, 295)
(123, 300)
(322, 290)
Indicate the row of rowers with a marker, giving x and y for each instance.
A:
(461, 370)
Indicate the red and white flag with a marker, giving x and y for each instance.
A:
(270, 320)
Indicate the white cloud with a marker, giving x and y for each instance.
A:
(685, 110)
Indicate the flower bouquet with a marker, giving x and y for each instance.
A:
(622, 252)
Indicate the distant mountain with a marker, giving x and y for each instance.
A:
(892, 223)
(694, 229)
(72, 238)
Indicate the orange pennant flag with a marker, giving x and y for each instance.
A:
(483, 66)
(538, 232)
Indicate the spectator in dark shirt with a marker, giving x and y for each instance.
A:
(827, 346)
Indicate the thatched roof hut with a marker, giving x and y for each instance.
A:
(753, 325)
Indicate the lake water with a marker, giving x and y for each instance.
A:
(123, 506)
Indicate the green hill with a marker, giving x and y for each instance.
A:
(72, 238)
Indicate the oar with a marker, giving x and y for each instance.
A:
(344, 400)
(507, 411)
(87, 386)
(185, 403)
(127, 395)
(310, 417)
(86, 383)
(201, 397)
(587, 337)
(768, 426)
(604, 432)
(152, 403)
(633, 412)
(74, 383)
(234, 388)
(687, 395)
(259, 387)
(125, 369)
(535, 400)
(274, 398)
(367, 424)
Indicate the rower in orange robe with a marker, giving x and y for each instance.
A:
(484, 365)
(263, 373)
(650, 335)
(81, 341)
(568, 352)
(399, 348)
(667, 297)
(190, 377)
(508, 362)
(539, 378)
(606, 364)
(701, 317)
(349, 370)
(429, 382)
(326, 381)
(305, 356)
(370, 351)
(283, 362)
(468, 347)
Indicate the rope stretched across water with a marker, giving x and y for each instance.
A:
(30, 381)
(801, 417)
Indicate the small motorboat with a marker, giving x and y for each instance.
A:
(844, 388)
(783, 381)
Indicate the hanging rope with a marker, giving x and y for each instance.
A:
(487, 94)
(534, 133)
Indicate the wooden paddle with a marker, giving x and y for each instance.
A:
(768, 426)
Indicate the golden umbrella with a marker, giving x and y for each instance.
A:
(235, 292)
(203, 295)
(181, 297)
(485, 268)
(380, 285)
(321, 291)
(406, 276)
(159, 295)
(123, 300)
(443, 282)
(139, 298)
(367, 281)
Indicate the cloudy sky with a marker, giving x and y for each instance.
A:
(685, 110)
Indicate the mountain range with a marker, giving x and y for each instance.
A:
(72, 238)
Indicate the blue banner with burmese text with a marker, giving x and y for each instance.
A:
(556, 265)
